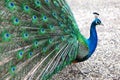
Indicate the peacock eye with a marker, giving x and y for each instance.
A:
(26, 7)
(38, 3)
(97, 22)
(46, 1)
(13, 69)
(7, 35)
(21, 53)
(30, 53)
(34, 17)
(12, 4)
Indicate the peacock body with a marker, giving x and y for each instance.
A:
(38, 38)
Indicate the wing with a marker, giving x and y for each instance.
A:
(37, 38)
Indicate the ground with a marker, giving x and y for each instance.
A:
(105, 62)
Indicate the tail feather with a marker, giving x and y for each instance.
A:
(37, 38)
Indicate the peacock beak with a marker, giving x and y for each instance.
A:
(102, 24)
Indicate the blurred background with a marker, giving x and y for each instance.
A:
(105, 62)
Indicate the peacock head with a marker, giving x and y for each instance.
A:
(97, 21)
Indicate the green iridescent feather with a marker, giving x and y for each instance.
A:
(38, 38)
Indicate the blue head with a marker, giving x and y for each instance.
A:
(97, 21)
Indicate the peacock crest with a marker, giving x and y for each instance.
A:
(38, 38)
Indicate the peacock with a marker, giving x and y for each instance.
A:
(38, 38)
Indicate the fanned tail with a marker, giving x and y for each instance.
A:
(37, 38)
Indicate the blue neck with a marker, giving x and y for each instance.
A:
(92, 40)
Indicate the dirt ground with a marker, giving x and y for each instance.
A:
(105, 62)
